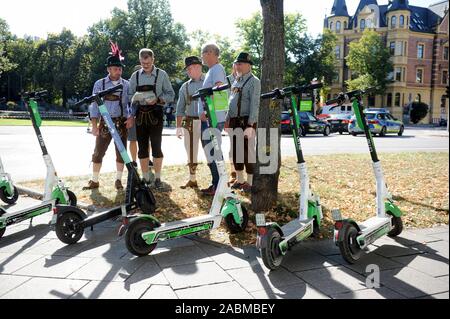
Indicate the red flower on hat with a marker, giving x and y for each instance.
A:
(115, 50)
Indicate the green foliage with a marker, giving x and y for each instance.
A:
(306, 57)
(369, 59)
(419, 111)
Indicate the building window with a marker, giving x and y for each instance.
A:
(397, 99)
(338, 27)
(392, 48)
(331, 25)
(371, 100)
(389, 100)
(401, 21)
(419, 76)
(418, 98)
(345, 24)
(446, 53)
(445, 77)
(420, 51)
(337, 52)
(444, 101)
(393, 22)
(399, 49)
(398, 74)
(362, 24)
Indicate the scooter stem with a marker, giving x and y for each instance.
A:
(304, 191)
(381, 189)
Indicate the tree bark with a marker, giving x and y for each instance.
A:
(265, 190)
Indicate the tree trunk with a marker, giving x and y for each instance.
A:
(265, 190)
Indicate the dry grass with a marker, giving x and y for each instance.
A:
(418, 181)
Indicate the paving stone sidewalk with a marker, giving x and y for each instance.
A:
(35, 264)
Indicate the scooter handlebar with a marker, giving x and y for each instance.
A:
(35, 94)
(101, 94)
(210, 91)
(275, 94)
(349, 95)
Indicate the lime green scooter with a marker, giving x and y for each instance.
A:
(144, 232)
(352, 237)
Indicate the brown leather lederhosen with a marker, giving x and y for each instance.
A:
(241, 122)
(104, 139)
(188, 125)
(149, 122)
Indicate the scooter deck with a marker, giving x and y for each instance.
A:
(295, 227)
(24, 214)
(182, 228)
(373, 224)
(372, 229)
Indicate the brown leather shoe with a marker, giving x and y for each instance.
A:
(91, 185)
(118, 185)
(190, 184)
(246, 188)
(233, 178)
(210, 191)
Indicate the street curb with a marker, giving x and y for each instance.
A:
(36, 195)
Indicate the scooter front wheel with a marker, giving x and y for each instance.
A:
(67, 229)
(72, 198)
(235, 228)
(349, 247)
(9, 199)
(146, 201)
(270, 251)
(397, 226)
(133, 237)
(2, 231)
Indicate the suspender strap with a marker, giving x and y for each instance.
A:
(120, 96)
(147, 87)
(239, 104)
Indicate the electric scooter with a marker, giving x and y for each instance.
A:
(69, 222)
(55, 192)
(8, 192)
(274, 241)
(54, 186)
(352, 237)
(144, 232)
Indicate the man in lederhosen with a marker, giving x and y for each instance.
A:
(188, 120)
(243, 114)
(150, 89)
(117, 105)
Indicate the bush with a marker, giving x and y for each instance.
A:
(419, 111)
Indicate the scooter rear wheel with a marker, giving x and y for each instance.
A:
(397, 225)
(67, 230)
(9, 199)
(133, 237)
(271, 253)
(235, 228)
(349, 247)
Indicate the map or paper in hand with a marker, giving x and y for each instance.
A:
(143, 98)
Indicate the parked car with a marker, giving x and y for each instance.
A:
(309, 124)
(339, 122)
(335, 110)
(380, 122)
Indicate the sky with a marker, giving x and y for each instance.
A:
(51, 16)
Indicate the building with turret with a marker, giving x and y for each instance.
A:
(417, 39)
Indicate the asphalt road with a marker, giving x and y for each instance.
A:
(71, 148)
